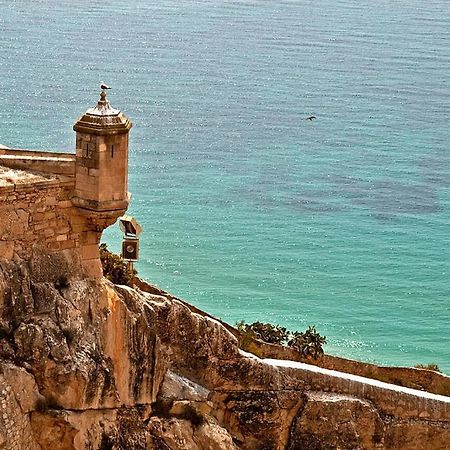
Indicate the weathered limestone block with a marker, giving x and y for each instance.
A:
(7, 249)
(213, 437)
(18, 396)
(84, 345)
(182, 434)
(257, 419)
(53, 431)
(13, 224)
(332, 421)
(49, 267)
(56, 340)
(202, 350)
(94, 429)
(248, 371)
(416, 435)
(130, 342)
(23, 385)
(205, 338)
(182, 408)
(34, 342)
(16, 298)
(78, 378)
(127, 429)
(175, 387)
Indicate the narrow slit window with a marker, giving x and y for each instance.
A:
(112, 151)
(86, 149)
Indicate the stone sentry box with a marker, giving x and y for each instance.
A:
(102, 159)
(101, 175)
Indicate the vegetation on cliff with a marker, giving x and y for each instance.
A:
(309, 343)
(115, 268)
(430, 366)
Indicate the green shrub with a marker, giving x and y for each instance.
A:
(309, 343)
(273, 334)
(430, 366)
(115, 268)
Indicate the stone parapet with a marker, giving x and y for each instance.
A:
(390, 399)
(39, 161)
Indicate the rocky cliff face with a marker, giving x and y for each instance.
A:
(85, 364)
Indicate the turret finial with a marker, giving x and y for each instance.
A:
(103, 104)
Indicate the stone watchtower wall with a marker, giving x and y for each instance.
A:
(54, 206)
(102, 159)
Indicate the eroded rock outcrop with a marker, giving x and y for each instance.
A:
(329, 420)
(85, 364)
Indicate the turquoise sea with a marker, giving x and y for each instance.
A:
(249, 210)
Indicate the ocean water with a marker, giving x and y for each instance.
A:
(250, 211)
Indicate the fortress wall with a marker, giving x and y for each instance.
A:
(411, 377)
(39, 161)
(392, 400)
(38, 217)
(36, 213)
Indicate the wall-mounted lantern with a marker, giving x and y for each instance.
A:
(130, 244)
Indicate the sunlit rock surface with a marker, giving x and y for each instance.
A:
(85, 364)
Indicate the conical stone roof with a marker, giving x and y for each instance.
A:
(103, 119)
